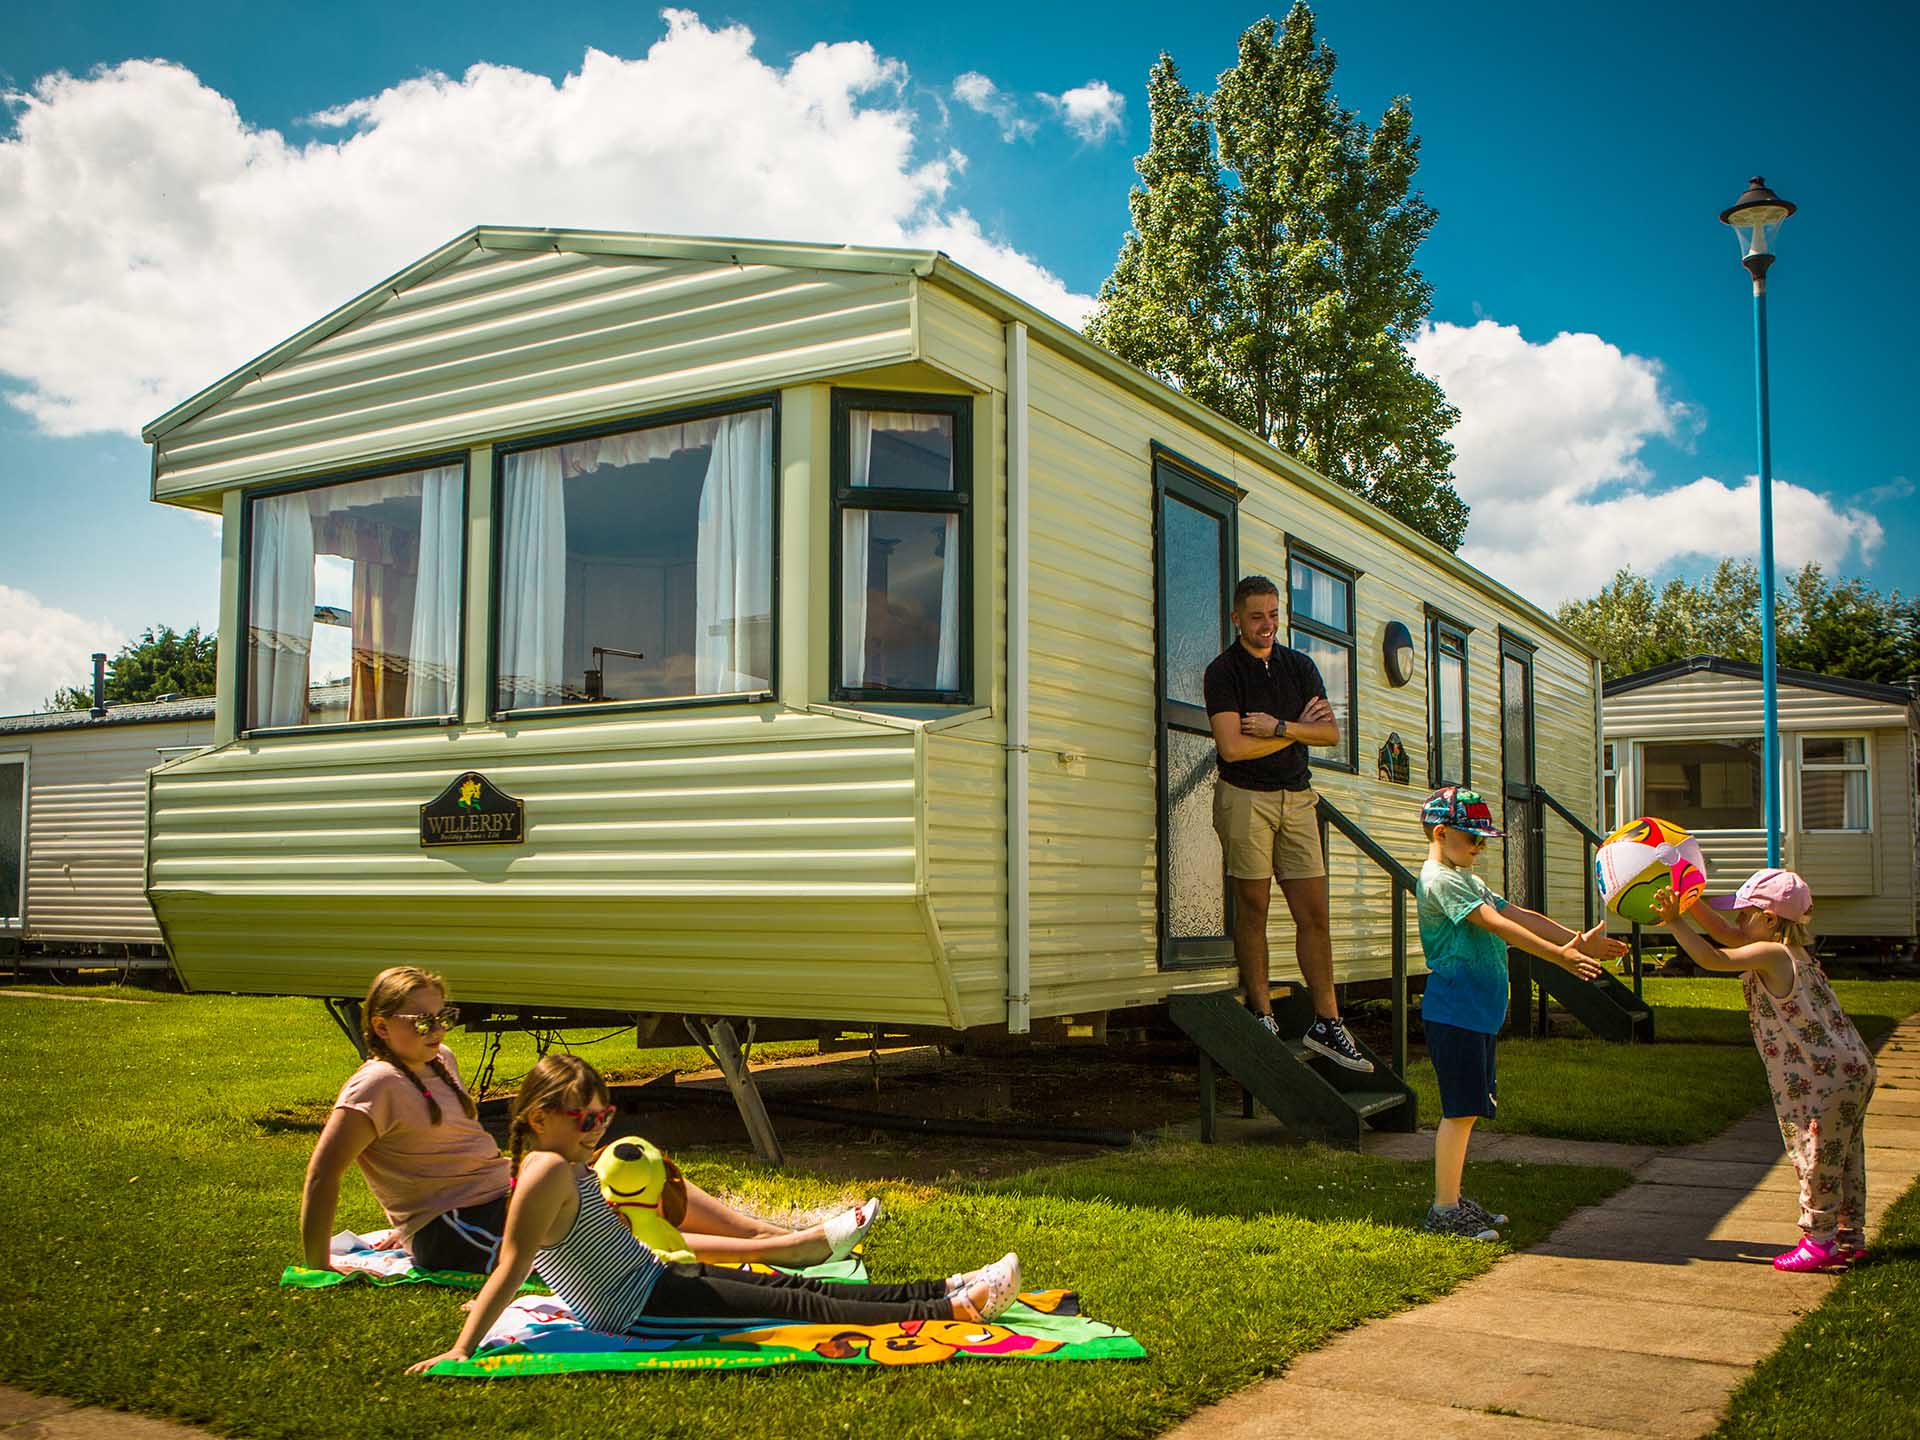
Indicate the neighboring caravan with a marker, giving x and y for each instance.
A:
(73, 801)
(1683, 741)
(785, 631)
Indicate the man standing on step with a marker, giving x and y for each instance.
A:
(1267, 704)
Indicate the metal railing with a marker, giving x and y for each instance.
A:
(1590, 841)
(1403, 884)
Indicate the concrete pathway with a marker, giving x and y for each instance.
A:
(1638, 1316)
(88, 999)
(41, 1417)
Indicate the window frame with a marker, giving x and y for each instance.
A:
(844, 495)
(769, 401)
(249, 494)
(1442, 627)
(1609, 784)
(1865, 767)
(17, 924)
(1349, 641)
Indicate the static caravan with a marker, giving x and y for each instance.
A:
(784, 630)
(1683, 741)
(73, 827)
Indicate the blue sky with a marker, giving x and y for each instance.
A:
(1591, 318)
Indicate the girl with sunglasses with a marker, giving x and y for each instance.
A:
(410, 1125)
(559, 1222)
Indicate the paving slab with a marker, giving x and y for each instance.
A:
(1743, 1175)
(1546, 1379)
(1713, 1284)
(1296, 1411)
(25, 1416)
(1701, 1201)
(1521, 1149)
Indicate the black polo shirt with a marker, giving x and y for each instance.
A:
(1280, 686)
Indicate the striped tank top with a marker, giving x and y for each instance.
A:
(597, 1269)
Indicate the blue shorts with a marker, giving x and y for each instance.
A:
(1463, 1063)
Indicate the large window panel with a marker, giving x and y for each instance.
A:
(901, 495)
(13, 839)
(1704, 784)
(353, 600)
(1449, 740)
(1834, 785)
(1320, 614)
(638, 566)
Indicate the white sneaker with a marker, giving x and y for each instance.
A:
(1002, 1279)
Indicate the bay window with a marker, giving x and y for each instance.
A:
(902, 551)
(636, 564)
(352, 603)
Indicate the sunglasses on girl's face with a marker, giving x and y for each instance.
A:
(590, 1119)
(426, 1024)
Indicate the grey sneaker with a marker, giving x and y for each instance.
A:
(1480, 1212)
(1457, 1221)
(1268, 1024)
(1330, 1038)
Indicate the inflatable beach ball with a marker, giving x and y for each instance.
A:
(1643, 857)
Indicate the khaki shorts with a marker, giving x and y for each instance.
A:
(1268, 833)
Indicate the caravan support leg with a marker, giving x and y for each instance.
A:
(726, 1049)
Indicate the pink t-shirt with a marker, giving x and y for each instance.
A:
(417, 1169)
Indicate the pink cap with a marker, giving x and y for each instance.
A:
(1779, 892)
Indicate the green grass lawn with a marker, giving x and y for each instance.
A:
(154, 1153)
(1848, 1368)
(1700, 1077)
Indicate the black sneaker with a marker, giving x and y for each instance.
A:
(1330, 1038)
(1268, 1024)
(1456, 1221)
(1480, 1212)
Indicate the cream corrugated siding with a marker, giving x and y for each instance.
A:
(1864, 885)
(86, 829)
(706, 860)
(502, 343)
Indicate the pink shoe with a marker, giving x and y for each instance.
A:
(1847, 1252)
(1810, 1255)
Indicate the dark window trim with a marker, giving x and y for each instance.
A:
(958, 501)
(769, 400)
(322, 481)
(1175, 477)
(744, 698)
(1514, 648)
(1440, 626)
(1348, 640)
(1194, 470)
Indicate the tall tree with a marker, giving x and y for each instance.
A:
(160, 662)
(1270, 274)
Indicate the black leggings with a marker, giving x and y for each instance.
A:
(712, 1292)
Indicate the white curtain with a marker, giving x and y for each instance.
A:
(948, 668)
(854, 531)
(280, 611)
(533, 579)
(900, 422)
(433, 658)
(733, 558)
(1323, 598)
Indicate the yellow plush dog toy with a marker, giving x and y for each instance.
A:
(633, 1177)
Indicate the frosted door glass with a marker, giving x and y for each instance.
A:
(1196, 899)
(1195, 619)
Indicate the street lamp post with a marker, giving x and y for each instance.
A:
(1756, 218)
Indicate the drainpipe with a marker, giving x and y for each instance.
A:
(1019, 957)
(99, 684)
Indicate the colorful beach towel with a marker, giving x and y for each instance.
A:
(363, 1259)
(539, 1336)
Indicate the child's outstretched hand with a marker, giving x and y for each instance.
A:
(1574, 957)
(1596, 944)
(1666, 905)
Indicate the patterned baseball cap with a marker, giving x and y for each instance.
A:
(1459, 808)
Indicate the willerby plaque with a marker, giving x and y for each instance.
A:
(472, 810)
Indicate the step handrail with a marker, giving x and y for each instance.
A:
(1403, 885)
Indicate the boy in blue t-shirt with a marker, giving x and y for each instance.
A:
(1465, 930)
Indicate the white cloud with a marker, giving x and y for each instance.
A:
(961, 237)
(1092, 111)
(42, 649)
(979, 93)
(1550, 445)
(151, 240)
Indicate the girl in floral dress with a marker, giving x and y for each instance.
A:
(1820, 1069)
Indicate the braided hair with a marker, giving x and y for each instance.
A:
(565, 1081)
(385, 996)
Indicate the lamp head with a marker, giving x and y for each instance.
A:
(1756, 218)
